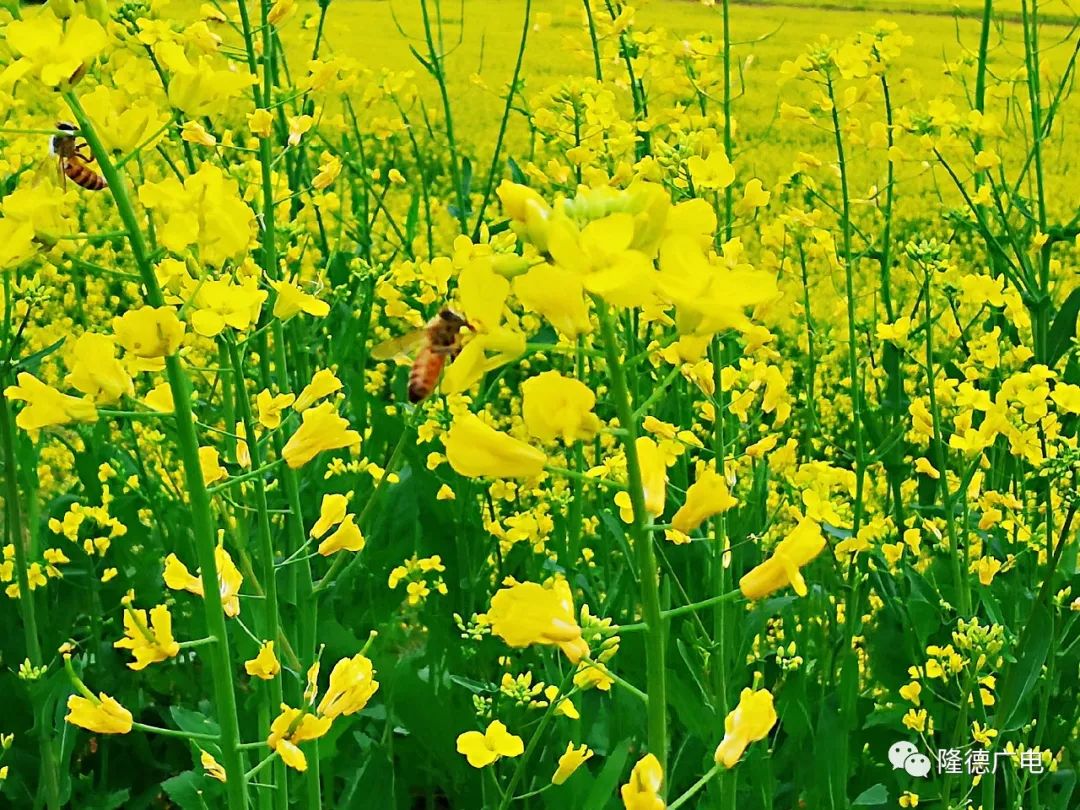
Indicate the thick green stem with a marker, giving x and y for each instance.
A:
(202, 518)
(648, 573)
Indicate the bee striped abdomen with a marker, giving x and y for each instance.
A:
(82, 175)
(424, 374)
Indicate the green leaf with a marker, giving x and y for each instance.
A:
(1022, 676)
(186, 790)
(1064, 328)
(193, 722)
(604, 786)
(32, 361)
(516, 174)
(872, 797)
(412, 218)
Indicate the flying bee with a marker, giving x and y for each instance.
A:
(438, 341)
(74, 159)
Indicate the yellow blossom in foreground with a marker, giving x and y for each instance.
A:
(352, 683)
(642, 792)
(220, 303)
(292, 727)
(194, 132)
(149, 332)
(205, 211)
(563, 706)
(230, 579)
(270, 407)
(331, 513)
(212, 767)
(707, 496)
(57, 52)
(482, 749)
(96, 372)
(211, 467)
(754, 196)
(105, 716)
(329, 170)
(17, 243)
(572, 759)
(713, 172)
(653, 475)
(782, 569)
(261, 123)
(298, 126)
(46, 406)
(987, 568)
(149, 643)
(476, 450)
(555, 406)
(322, 385)
(750, 721)
(528, 211)
(281, 11)
(160, 399)
(322, 429)
(265, 665)
(348, 537)
(530, 613)
(558, 295)
(292, 300)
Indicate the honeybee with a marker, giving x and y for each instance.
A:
(438, 341)
(74, 159)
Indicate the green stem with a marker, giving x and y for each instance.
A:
(648, 573)
(14, 537)
(694, 788)
(271, 622)
(202, 519)
(693, 607)
(519, 767)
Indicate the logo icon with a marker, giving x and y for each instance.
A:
(904, 755)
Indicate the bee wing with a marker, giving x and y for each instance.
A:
(401, 346)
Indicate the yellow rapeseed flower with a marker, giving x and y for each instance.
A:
(149, 643)
(102, 716)
(95, 371)
(352, 683)
(482, 749)
(348, 537)
(477, 450)
(46, 406)
(782, 569)
(642, 792)
(706, 497)
(265, 665)
(750, 721)
(149, 332)
(292, 727)
(572, 759)
(529, 613)
(560, 407)
(322, 429)
(178, 578)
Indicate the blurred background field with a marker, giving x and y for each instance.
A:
(482, 35)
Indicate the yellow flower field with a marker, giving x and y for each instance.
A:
(539, 404)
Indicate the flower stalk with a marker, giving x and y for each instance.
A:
(202, 519)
